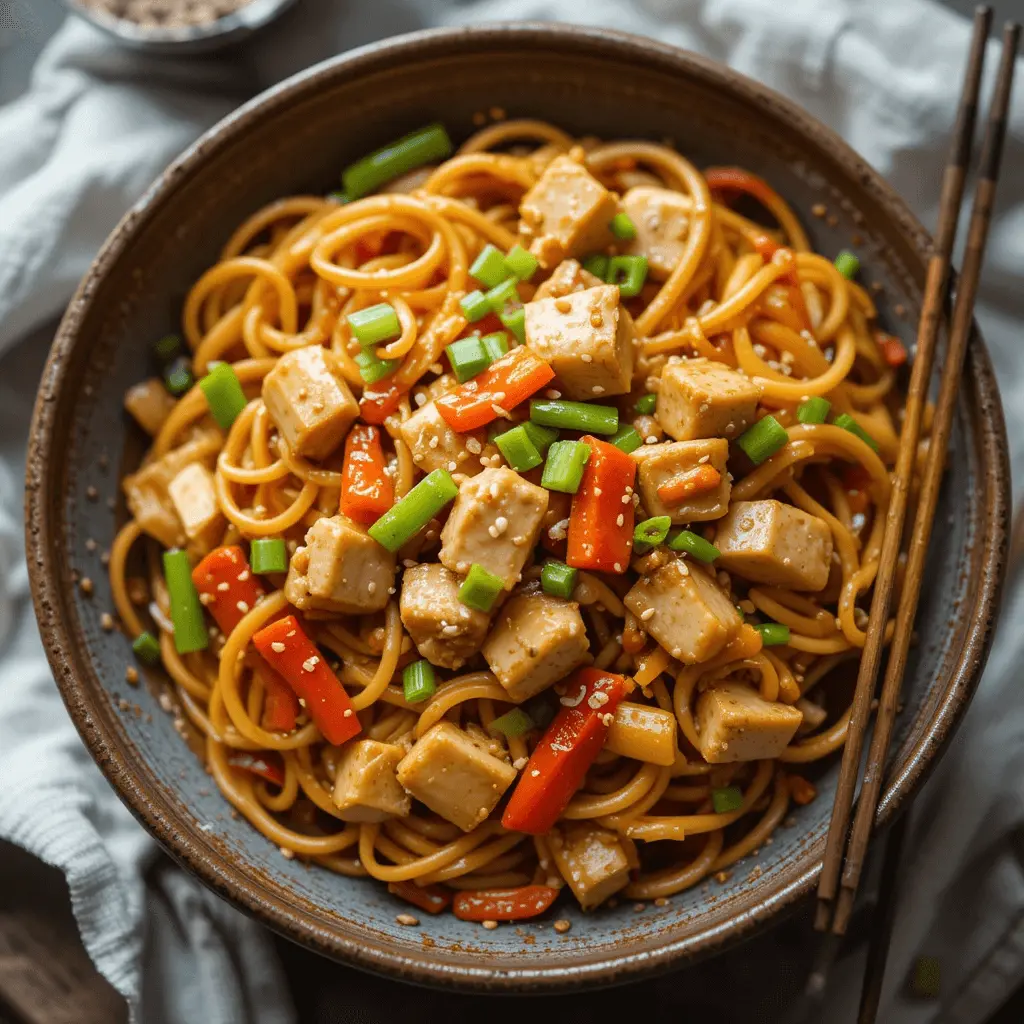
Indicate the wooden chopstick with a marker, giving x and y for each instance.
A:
(934, 302)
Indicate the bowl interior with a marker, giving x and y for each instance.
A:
(296, 140)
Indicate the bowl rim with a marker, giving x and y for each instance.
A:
(158, 810)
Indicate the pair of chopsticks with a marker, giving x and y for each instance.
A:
(841, 874)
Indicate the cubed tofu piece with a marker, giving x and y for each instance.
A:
(702, 398)
(595, 861)
(661, 464)
(588, 340)
(366, 786)
(495, 523)
(692, 618)
(194, 497)
(643, 733)
(434, 445)
(537, 640)
(736, 724)
(309, 401)
(340, 569)
(662, 221)
(445, 631)
(567, 213)
(569, 276)
(454, 777)
(150, 403)
(768, 541)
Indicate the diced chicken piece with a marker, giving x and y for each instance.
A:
(661, 464)
(569, 276)
(814, 715)
(150, 403)
(702, 398)
(194, 498)
(662, 221)
(454, 777)
(736, 724)
(537, 640)
(692, 618)
(445, 631)
(495, 522)
(366, 787)
(567, 213)
(340, 569)
(309, 401)
(643, 733)
(147, 491)
(770, 542)
(588, 340)
(434, 445)
(594, 861)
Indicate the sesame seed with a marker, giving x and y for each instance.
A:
(407, 919)
(223, 587)
(131, 675)
(310, 663)
(587, 357)
(553, 394)
(107, 622)
(243, 575)
(242, 607)
(490, 925)
(534, 773)
(650, 439)
(620, 519)
(597, 389)
(86, 585)
(277, 647)
(91, 493)
(420, 399)
(474, 446)
(371, 587)
(647, 614)
(617, 566)
(562, 925)
(348, 713)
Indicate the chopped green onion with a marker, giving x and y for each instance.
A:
(372, 368)
(268, 554)
(495, 345)
(597, 264)
(418, 681)
(727, 799)
(652, 531)
(168, 347)
(629, 273)
(622, 227)
(926, 977)
(814, 410)
(468, 357)
(414, 511)
(741, 613)
(563, 470)
(340, 196)
(375, 324)
(475, 306)
(763, 439)
(582, 416)
(190, 633)
(645, 406)
(694, 544)
(519, 451)
(513, 723)
(558, 579)
(847, 422)
(542, 709)
(490, 268)
(542, 437)
(522, 263)
(514, 318)
(847, 264)
(224, 394)
(627, 438)
(178, 377)
(773, 633)
(480, 588)
(502, 295)
(425, 146)
(147, 648)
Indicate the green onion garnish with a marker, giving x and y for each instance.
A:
(514, 318)
(418, 681)
(582, 416)
(474, 306)
(627, 438)
(414, 511)
(425, 146)
(558, 579)
(563, 470)
(168, 347)
(763, 439)
(519, 451)
(468, 357)
(847, 422)
(190, 633)
(652, 531)
(147, 648)
(522, 263)
(490, 268)
(513, 723)
(502, 295)
(372, 368)
(597, 264)
(375, 324)
(814, 410)
(727, 799)
(622, 227)
(542, 437)
(847, 264)
(645, 406)
(694, 544)
(773, 634)
(629, 273)
(495, 345)
(178, 377)
(224, 394)
(268, 554)
(480, 588)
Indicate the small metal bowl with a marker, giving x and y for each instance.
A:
(232, 28)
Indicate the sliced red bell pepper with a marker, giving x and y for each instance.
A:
(288, 650)
(504, 904)
(431, 898)
(227, 587)
(366, 490)
(601, 523)
(280, 705)
(698, 480)
(264, 763)
(893, 351)
(735, 179)
(376, 406)
(566, 751)
(506, 383)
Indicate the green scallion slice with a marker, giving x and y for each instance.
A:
(428, 145)
(622, 227)
(372, 368)
(627, 438)
(375, 324)
(645, 406)
(168, 347)
(480, 588)
(520, 452)
(418, 681)
(147, 648)
(847, 264)
(224, 394)
(694, 544)
(763, 439)
(514, 318)
(542, 437)
(468, 357)
(414, 511)
(558, 579)
(190, 632)
(513, 723)
(727, 799)
(522, 263)
(178, 377)
(652, 531)
(563, 470)
(773, 634)
(474, 306)
(629, 273)
(495, 345)
(268, 554)
(597, 264)
(847, 422)
(490, 268)
(585, 417)
(502, 295)
(814, 410)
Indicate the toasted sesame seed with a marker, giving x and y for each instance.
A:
(310, 663)
(242, 607)
(647, 614)
(407, 919)
(587, 357)
(277, 647)
(86, 585)
(562, 925)
(131, 675)
(107, 622)
(490, 925)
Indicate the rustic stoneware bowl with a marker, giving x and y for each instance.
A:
(295, 139)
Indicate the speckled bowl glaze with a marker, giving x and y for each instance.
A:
(295, 138)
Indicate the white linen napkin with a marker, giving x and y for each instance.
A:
(96, 127)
